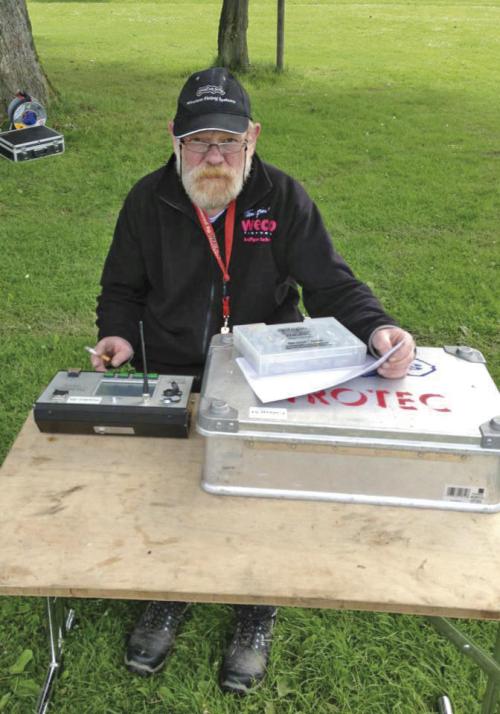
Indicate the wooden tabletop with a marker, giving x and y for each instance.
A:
(125, 517)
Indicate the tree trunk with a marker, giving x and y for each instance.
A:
(232, 41)
(280, 41)
(19, 64)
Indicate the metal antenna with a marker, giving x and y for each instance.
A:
(145, 384)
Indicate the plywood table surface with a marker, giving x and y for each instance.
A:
(125, 517)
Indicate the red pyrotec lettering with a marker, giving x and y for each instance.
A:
(424, 398)
(340, 390)
(405, 398)
(256, 224)
(380, 395)
(247, 225)
(320, 396)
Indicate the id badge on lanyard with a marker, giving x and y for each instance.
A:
(208, 230)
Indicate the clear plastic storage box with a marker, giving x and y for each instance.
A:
(316, 343)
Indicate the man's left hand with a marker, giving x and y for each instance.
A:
(397, 365)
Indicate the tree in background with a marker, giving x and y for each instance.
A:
(19, 64)
(232, 40)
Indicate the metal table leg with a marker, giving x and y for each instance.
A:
(489, 664)
(444, 705)
(58, 625)
(492, 696)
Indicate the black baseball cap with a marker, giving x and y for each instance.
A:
(212, 100)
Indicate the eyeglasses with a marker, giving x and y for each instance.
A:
(203, 147)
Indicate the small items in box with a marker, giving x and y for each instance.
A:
(316, 343)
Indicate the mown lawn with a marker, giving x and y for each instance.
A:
(388, 113)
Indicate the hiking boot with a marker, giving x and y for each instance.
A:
(246, 658)
(152, 638)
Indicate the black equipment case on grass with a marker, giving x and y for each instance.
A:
(32, 143)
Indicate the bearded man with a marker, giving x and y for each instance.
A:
(216, 223)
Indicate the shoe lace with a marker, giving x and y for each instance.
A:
(162, 615)
(253, 632)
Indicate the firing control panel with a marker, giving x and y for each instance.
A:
(115, 402)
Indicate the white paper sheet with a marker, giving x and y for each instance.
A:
(294, 384)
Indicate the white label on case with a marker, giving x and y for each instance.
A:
(465, 493)
(84, 400)
(267, 413)
(114, 430)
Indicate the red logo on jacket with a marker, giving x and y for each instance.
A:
(257, 230)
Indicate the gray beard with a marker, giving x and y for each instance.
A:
(207, 200)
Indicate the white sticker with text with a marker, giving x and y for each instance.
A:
(268, 413)
(466, 494)
(84, 400)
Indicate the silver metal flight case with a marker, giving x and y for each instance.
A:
(429, 440)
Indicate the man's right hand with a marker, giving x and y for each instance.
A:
(118, 349)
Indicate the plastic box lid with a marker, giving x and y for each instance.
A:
(316, 343)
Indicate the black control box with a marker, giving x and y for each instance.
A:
(120, 402)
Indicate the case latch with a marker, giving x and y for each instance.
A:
(216, 415)
(490, 433)
(470, 354)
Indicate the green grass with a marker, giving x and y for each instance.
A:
(322, 661)
(389, 114)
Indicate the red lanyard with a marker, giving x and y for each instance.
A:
(208, 230)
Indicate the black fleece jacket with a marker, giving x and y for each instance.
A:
(160, 268)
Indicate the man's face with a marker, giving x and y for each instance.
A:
(213, 179)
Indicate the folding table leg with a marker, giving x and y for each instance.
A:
(58, 625)
(490, 664)
(445, 705)
(492, 696)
